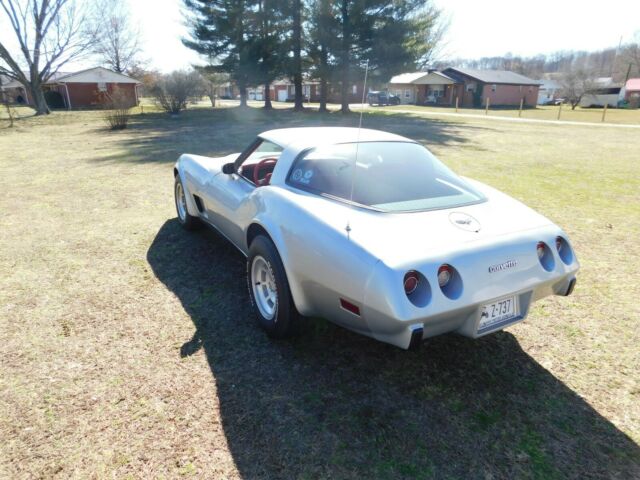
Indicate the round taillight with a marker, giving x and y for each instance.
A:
(444, 275)
(411, 280)
(540, 249)
(564, 251)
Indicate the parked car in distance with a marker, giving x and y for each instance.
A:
(382, 98)
(371, 231)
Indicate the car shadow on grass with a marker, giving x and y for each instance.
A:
(159, 137)
(333, 404)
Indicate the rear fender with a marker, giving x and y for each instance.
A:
(277, 236)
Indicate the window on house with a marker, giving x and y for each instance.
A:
(520, 88)
(102, 86)
(494, 87)
(407, 94)
(355, 89)
(471, 87)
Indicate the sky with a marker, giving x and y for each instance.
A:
(477, 28)
(494, 27)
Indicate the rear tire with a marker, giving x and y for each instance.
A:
(187, 221)
(269, 290)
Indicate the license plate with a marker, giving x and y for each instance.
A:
(498, 312)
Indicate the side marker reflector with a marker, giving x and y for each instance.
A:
(349, 307)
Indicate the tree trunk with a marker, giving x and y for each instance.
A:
(297, 61)
(323, 94)
(267, 96)
(323, 79)
(39, 102)
(243, 94)
(344, 57)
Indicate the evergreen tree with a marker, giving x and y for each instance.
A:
(390, 36)
(296, 44)
(270, 46)
(223, 31)
(323, 33)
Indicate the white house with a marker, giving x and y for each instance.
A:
(548, 92)
(423, 87)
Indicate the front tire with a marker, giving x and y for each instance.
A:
(269, 290)
(189, 222)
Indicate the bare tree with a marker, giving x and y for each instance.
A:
(630, 57)
(574, 85)
(118, 41)
(213, 81)
(49, 33)
(174, 90)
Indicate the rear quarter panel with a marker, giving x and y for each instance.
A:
(322, 264)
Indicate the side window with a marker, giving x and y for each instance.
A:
(326, 169)
(494, 87)
(265, 149)
(258, 151)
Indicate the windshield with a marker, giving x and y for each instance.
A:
(389, 176)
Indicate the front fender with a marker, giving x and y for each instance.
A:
(186, 184)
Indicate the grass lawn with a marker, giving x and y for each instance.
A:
(541, 112)
(129, 349)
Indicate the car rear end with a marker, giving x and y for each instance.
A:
(472, 289)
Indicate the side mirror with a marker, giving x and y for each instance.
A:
(229, 168)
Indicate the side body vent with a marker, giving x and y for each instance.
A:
(199, 203)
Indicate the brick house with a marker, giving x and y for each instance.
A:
(83, 89)
(631, 92)
(501, 87)
(283, 90)
(470, 87)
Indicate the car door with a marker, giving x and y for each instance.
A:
(229, 206)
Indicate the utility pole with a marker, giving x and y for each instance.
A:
(626, 78)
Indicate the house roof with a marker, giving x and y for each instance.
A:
(421, 78)
(632, 84)
(90, 75)
(549, 85)
(94, 75)
(492, 76)
(305, 81)
(52, 79)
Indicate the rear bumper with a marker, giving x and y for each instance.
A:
(464, 320)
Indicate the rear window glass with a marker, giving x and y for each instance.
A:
(388, 176)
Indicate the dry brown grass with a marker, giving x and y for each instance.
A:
(128, 348)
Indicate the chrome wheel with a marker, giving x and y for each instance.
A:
(264, 287)
(181, 201)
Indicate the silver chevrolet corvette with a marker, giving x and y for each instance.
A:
(371, 231)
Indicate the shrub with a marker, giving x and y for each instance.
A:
(117, 106)
(11, 113)
(174, 90)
